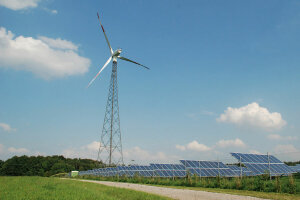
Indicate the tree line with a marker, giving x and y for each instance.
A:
(44, 165)
(50, 165)
(292, 163)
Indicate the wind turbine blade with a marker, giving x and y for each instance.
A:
(122, 58)
(111, 51)
(99, 71)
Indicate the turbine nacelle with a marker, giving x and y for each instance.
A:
(116, 53)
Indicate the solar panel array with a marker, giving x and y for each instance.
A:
(154, 170)
(254, 165)
(295, 168)
(135, 170)
(262, 164)
(169, 170)
(240, 170)
(207, 168)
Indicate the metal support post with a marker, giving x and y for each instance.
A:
(269, 165)
(110, 150)
(173, 170)
(241, 169)
(200, 169)
(218, 168)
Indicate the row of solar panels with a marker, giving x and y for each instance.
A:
(254, 165)
(154, 170)
(295, 168)
(255, 158)
(240, 171)
(260, 164)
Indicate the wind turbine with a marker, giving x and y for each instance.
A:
(114, 55)
(110, 142)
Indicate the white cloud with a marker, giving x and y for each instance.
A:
(180, 147)
(19, 4)
(195, 146)
(7, 127)
(287, 152)
(138, 154)
(253, 115)
(18, 150)
(279, 137)
(285, 148)
(94, 146)
(87, 151)
(71, 153)
(142, 156)
(231, 143)
(254, 152)
(54, 12)
(6, 153)
(45, 57)
(37, 153)
(274, 137)
(58, 43)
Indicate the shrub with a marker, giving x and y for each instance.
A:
(218, 182)
(270, 186)
(224, 183)
(291, 185)
(259, 183)
(278, 184)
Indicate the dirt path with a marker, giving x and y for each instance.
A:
(181, 194)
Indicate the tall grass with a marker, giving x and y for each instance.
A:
(262, 183)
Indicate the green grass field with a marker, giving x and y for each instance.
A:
(29, 188)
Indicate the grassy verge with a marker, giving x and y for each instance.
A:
(265, 195)
(31, 188)
(286, 188)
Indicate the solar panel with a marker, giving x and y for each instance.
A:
(139, 170)
(169, 170)
(207, 168)
(295, 168)
(238, 170)
(262, 164)
(234, 167)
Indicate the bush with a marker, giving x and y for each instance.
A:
(291, 185)
(259, 183)
(278, 184)
(238, 184)
(247, 183)
(224, 183)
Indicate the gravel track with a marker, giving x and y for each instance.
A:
(182, 194)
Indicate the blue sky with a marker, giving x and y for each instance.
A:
(224, 77)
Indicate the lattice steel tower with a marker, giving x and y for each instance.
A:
(110, 150)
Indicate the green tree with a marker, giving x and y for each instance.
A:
(1, 163)
(44, 166)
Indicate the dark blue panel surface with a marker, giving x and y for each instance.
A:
(261, 164)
